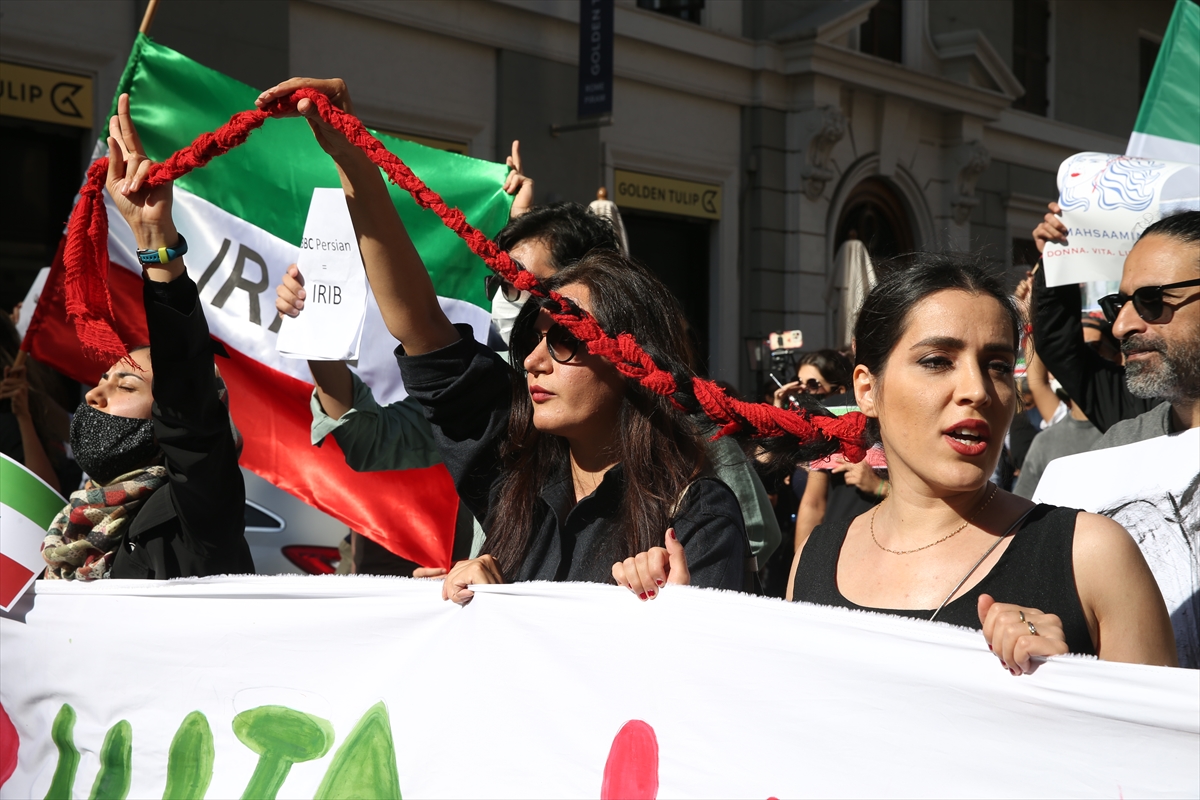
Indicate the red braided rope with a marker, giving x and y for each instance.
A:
(90, 308)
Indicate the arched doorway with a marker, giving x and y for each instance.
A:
(875, 215)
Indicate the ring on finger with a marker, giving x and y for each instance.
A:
(1022, 613)
(1032, 629)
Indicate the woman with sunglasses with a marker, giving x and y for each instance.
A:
(576, 472)
(935, 347)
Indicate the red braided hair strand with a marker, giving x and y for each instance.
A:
(90, 308)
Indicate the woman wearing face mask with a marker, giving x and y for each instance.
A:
(935, 344)
(578, 473)
(165, 497)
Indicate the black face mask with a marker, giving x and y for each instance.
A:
(106, 446)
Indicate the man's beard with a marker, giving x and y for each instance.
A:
(1174, 376)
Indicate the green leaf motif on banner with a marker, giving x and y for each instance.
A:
(365, 765)
(190, 759)
(62, 733)
(116, 770)
(281, 737)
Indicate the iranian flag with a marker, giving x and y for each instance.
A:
(243, 216)
(1168, 124)
(27, 507)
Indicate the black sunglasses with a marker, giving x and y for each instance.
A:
(1147, 301)
(812, 386)
(562, 345)
(511, 293)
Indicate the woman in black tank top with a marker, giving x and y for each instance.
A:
(935, 345)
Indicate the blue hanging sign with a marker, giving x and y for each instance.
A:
(595, 58)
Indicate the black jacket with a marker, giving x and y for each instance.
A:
(466, 391)
(1095, 384)
(193, 525)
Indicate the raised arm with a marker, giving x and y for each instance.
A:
(191, 424)
(398, 278)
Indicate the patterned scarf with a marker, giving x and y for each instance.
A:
(83, 539)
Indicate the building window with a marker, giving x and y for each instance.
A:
(687, 10)
(882, 33)
(1147, 55)
(1031, 53)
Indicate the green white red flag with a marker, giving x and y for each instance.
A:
(1168, 124)
(243, 216)
(27, 507)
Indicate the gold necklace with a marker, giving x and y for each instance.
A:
(957, 530)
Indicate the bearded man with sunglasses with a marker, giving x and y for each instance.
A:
(1155, 316)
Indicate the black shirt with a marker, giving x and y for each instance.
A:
(1036, 570)
(466, 391)
(193, 525)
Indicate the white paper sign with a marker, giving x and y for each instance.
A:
(1153, 489)
(363, 686)
(29, 304)
(1107, 201)
(330, 326)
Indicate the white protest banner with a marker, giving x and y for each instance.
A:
(1107, 201)
(331, 325)
(360, 686)
(27, 507)
(1153, 489)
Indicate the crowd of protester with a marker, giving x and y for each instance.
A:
(568, 471)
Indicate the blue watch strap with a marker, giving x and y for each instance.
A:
(163, 254)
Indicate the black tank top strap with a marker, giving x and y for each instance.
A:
(1035, 571)
(816, 574)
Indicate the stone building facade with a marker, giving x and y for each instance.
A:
(769, 132)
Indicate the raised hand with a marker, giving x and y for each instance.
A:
(518, 183)
(330, 138)
(290, 294)
(646, 573)
(147, 209)
(1050, 229)
(1016, 634)
(781, 392)
(15, 387)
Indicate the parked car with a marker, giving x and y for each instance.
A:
(288, 535)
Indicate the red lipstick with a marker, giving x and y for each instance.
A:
(969, 437)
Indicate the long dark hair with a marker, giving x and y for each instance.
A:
(884, 315)
(660, 448)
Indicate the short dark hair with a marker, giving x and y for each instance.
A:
(1183, 227)
(569, 231)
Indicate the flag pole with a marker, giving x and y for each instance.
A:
(148, 17)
